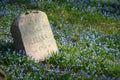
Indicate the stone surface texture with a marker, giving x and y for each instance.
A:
(31, 32)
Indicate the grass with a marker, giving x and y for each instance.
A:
(87, 34)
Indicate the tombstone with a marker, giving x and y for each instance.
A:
(31, 32)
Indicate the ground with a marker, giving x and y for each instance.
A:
(87, 33)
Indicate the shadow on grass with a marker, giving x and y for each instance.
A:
(5, 45)
(9, 56)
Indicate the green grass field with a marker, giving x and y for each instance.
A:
(87, 33)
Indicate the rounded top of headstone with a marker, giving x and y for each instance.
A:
(29, 12)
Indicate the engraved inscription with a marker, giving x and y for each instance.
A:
(44, 47)
(40, 38)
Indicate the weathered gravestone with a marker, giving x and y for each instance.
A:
(31, 32)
